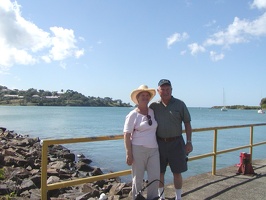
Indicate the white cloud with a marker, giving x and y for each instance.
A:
(215, 57)
(46, 59)
(63, 43)
(23, 42)
(239, 31)
(176, 37)
(260, 4)
(195, 48)
(79, 53)
(257, 27)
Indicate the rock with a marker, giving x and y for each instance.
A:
(4, 189)
(27, 184)
(80, 155)
(1, 159)
(103, 197)
(25, 194)
(100, 183)
(16, 161)
(36, 179)
(2, 129)
(57, 165)
(35, 194)
(53, 179)
(117, 189)
(97, 171)
(81, 166)
(69, 156)
(85, 160)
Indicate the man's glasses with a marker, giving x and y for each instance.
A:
(149, 120)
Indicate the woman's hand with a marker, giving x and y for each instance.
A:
(129, 159)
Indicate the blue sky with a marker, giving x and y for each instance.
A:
(108, 48)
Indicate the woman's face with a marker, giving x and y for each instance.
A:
(143, 97)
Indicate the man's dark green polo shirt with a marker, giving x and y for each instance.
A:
(170, 117)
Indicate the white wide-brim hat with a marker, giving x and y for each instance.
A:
(142, 88)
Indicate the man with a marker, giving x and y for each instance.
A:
(169, 114)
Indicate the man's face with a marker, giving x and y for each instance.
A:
(165, 91)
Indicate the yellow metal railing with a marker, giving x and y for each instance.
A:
(46, 187)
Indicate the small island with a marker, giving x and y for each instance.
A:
(239, 107)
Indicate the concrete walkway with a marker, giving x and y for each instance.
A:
(225, 185)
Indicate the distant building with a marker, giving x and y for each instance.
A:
(51, 97)
(15, 96)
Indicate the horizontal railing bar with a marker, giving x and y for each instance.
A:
(200, 156)
(259, 143)
(223, 151)
(85, 139)
(87, 180)
(232, 149)
(238, 148)
(225, 127)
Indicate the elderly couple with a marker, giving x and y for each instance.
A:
(153, 139)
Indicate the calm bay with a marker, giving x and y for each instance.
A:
(76, 122)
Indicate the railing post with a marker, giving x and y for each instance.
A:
(251, 143)
(44, 171)
(214, 152)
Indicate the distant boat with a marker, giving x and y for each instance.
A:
(224, 107)
(260, 111)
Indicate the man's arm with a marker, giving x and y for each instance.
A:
(188, 130)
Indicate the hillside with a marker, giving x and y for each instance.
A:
(34, 97)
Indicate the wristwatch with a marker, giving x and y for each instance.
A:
(189, 141)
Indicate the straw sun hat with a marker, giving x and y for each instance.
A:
(142, 88)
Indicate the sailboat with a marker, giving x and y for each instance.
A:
(224, 107)
(260, 111)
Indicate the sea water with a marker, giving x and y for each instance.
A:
(76, 122)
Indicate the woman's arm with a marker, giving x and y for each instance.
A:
(128, 148)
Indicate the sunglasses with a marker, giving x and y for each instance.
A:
(149, 120)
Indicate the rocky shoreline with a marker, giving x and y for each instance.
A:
(20, 175)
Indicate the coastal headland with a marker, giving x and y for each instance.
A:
(34, 97)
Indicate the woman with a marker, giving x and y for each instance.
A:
(140, 142)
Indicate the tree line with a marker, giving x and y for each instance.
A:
(263, 103)
(34, 97)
